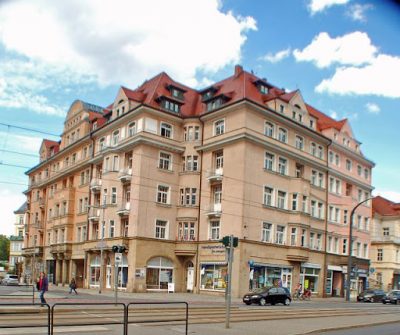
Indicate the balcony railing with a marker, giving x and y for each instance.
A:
(95, 185)
(125, 175)
(94, 214)
(214, 210)
(37, 224)
(125, 209)
(215, 175)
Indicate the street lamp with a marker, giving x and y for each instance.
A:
(350, 257)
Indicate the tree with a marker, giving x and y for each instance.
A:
(4, 248)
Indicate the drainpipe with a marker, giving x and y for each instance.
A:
(197, 277)
(326, 221)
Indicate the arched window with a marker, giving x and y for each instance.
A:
(115, 137)
(282, 135)
(269, 129)
(132, 129)
(159, 273)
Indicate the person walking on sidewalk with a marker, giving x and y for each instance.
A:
(72, 286)
(43, 287)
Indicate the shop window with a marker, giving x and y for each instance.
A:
(159, 273)
(213, 276)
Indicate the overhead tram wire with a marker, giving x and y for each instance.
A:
(15, 165)
(18, 153)
(28, 129)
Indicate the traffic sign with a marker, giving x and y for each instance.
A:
(118, 257)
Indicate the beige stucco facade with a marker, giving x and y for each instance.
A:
(169, 188)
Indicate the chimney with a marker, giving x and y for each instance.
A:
(238, 70)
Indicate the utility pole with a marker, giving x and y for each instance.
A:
(229, 286)
(350, 257)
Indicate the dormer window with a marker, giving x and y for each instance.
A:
(214, 104)
(263, 89)
(94, 125)
(171, 106)
(208, 93)
(281, 108)
(177, 93)
(312, 124)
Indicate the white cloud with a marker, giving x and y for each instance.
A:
(316, 6)
(29, 144)
(381, 77)
(357, 12)
(388, 194)
(9, 202)
(372, 108)
(126, 41)
(334, 115)
(351, 49)
(277, 57)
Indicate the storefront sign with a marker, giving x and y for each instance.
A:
(213, 249)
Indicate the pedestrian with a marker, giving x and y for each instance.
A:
(72, 286)
(43, 287)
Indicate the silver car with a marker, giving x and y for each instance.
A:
(10, 280)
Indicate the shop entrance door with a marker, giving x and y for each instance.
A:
(108, 277)
(287, 279)
(190, 279)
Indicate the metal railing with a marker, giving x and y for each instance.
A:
(14, 296)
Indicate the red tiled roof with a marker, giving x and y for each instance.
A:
(324, 121)
(49, 143)
(384, 206)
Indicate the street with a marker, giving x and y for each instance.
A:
(91, 313)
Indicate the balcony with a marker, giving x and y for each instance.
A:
(125, 209)
(185, 248)
(30, 251)
(215, 175)
(94, 214)
(61, 248)
(386, 239)
(295, 254)
(41, 203)
(125, 175)
(37, 225)
(214, 210)
(95, 185)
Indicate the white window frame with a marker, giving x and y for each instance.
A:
(269, 129)
(283, 135)
(214, 230)
(266, 231)
(163, 195)
(269, 161)
(219, 127)
(165, 163)
(161, 229)
(167, 129)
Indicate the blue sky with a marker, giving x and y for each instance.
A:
(343, 55)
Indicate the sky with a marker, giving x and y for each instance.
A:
(343, 55)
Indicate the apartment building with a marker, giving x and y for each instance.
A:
(17, 240)
(167, 171)
(385, 244)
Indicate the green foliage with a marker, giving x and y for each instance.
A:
(4, 248)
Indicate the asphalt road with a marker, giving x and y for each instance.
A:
(385, 329)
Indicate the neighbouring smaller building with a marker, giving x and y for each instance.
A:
(385, 245)
(17, 240)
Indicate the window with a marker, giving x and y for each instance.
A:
(125, 227)
(132, 129)
(345, 216)
(166, 130)
(269, 129)
(321, 179)
(281, 108)
(282, 166)
(165, 161)
(380, 255)
(337, 160)
(112, 228)
(312, 236)
(320, 152)
(305, 204)
(349, 165)
(214, 230)
(102, 144)
(219, 127)
(293, 236)
(385, 231)
(280, 235)
(329, 246)
(266, 232)
(263, 89)
(115, 138)
(360, 195)
(219, 160)
(331, 157)
(268, 196)
(344, 250)
(269, 161)
(313, 149)
(314, 177)
(282, 135)
(359, 170)
(319, 242)
(115, 166)
(299, 142)
(320, 210)
(313, 207)
(171, 106)
(303, 238)
(192, 163)
(294, 201)
(366, 173)
(186, 231)
(192, 133)
(365, 250)
(188, 196)
(299, 170)
(104, 197)
(161, 229)
(336, 250)
(281, 200)
(163, 194)
(114, 195)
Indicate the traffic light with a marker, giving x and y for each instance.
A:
(225, 241)
(118, 248)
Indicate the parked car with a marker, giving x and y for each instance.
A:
(268, 295)
(10, 280)
(371, 296)
(390, 296)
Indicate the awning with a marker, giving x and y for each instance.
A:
(281, 266)
(311, 265)
(335, 268)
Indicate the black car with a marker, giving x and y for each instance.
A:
(272, 295)
(388, 298)
(371, 296)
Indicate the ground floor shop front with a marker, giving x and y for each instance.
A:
(150, 265)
